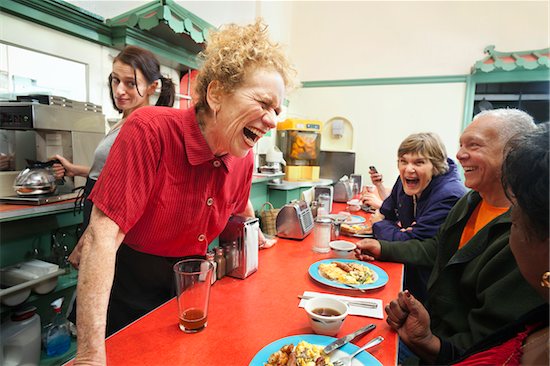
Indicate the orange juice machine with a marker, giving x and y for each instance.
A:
(300, 142)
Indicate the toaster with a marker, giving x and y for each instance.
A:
(342, 191)
(242, 231)
(294, 220)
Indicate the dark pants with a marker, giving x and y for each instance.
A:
(142, 283)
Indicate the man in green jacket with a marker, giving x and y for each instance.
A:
(475, 286)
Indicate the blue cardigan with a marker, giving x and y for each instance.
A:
(432, 208)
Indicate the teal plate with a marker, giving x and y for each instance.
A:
(362, 359)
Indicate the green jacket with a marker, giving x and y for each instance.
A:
(476, 290)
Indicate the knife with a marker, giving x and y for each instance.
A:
(341, 341)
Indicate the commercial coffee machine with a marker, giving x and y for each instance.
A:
(38, 129)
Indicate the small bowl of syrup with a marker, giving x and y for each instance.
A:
(326, 315)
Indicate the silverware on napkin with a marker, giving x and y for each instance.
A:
(348, 338)
(365, 304)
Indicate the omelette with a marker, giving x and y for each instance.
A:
(304, 354)
(351, 273)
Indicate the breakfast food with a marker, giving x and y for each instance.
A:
(304, 354)
(355, 229)
(350, 273)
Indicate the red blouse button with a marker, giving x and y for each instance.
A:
(217, 163)
(201, 237)
(210, 201)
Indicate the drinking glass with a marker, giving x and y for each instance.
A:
(193, 281)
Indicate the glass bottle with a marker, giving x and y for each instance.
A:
(228, 258)
(314, 206)
(210, 258)
(235, 255)
(220, 260)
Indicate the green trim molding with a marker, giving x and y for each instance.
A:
(385, 81)
(174, 34)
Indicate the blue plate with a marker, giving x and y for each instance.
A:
(362, 359)
(380, 276)
(351, 220)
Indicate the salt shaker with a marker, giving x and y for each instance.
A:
(210, 258)
(321, 234)
(220, 260)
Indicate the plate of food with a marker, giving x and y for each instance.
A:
(359, 230)
(346, 273)
(307, 349)
(348, 219)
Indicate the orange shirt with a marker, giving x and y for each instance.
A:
(481, 216)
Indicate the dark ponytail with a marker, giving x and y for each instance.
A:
(167, 92)
(145, 61)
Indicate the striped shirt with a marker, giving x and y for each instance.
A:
(165, 189)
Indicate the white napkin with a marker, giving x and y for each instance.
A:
(353, 310)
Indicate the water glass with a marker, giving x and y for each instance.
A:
(193, 282)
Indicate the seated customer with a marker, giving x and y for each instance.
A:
(427, 188)
(474, 271)
(525, 177)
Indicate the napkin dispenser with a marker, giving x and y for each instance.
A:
(294, 220)
(343, 191)
(242, 232)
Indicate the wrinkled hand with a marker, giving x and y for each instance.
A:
(376, 217)
(410, 319)
(263, 242)
(371, 199)
(375, 178)
(74, 258)
(367, 249)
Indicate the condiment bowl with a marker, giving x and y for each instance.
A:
(354, 205)
(326, 315)
(342, 248)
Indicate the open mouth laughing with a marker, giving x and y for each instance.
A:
(412, 182)
(252, 135)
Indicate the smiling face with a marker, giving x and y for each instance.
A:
(416, 172)
(481, 154)
(244, 115)
(125, 89)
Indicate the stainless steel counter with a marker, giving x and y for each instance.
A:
(287, 186)
(15, 212)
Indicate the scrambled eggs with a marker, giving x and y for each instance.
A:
(350, 273)
(304, 354)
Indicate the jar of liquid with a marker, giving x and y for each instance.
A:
(321, 234)
(219, 258)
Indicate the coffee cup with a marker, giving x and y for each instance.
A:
(326, 315)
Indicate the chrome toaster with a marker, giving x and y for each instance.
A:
(294, 220)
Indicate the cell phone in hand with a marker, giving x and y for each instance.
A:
(373, 169)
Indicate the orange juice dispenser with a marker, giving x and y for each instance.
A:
(300, 142)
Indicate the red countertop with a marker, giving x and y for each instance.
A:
(246, 315)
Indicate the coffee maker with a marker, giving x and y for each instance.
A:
(30, 130)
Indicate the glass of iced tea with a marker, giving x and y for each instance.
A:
(193, 281)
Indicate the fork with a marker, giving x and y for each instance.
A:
(346, 360)
(353, 287)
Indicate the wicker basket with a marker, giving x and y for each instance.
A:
(268, 217)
